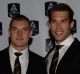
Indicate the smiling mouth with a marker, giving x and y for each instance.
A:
(59, 33)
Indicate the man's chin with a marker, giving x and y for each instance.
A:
(19, 45)
(59, 40)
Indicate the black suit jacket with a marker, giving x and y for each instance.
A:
(70, 62)
(36, 63)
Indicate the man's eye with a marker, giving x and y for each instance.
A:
(13, 29)
(63, 21)
(26, 29)
(53, 21)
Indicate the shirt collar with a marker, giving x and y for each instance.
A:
(12, 51)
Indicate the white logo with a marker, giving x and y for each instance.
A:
(33, 25)
(50, 6)
(13, 8)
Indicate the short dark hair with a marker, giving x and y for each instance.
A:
(61, 7)
(19, 18)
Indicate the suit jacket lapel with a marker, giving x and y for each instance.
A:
(69, 55)
(31, 63)
(7, 61)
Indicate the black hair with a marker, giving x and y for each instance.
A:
(61, 7)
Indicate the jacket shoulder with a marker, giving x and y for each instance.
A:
(35, 55)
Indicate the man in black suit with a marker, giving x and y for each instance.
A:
(29, 63)
(60, 24)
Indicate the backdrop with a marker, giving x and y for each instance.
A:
(36, 10)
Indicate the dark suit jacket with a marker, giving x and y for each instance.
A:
(36, 63)
(70, 63)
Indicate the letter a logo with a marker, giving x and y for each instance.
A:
(48, 6)
(13, 9)
(35, 27)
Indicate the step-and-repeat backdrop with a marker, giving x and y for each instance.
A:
(36, 10)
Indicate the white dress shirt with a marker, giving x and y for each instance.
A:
(24, 59)
(62, 51)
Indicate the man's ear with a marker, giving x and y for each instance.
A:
(30, 35)
(9, 32)
(72, 24)
(49, 25)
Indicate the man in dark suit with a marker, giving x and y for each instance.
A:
(68, 57)
(28, 62)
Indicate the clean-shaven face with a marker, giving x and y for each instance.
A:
(19, 34)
